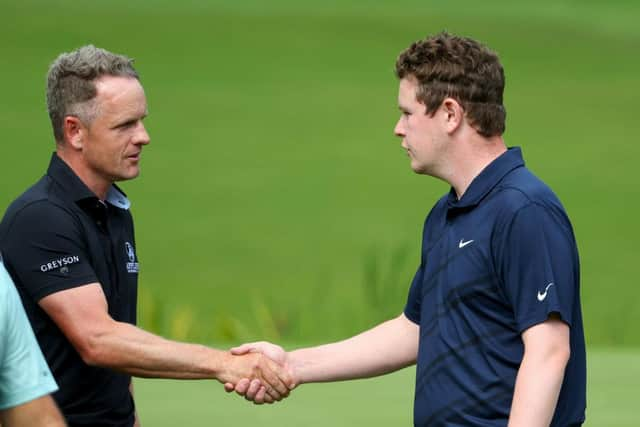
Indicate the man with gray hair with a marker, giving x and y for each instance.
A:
(69, 245)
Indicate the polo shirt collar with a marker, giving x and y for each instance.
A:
(117, 198)
(488, 178)
(76, 190)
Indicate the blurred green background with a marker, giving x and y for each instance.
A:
(275, 202)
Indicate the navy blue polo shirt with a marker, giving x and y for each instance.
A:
(56, 236)
(494, 263)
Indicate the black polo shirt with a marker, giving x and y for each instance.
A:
(56, 236)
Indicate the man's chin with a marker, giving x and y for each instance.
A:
(416, 168)
(421, 170)
(127, 176)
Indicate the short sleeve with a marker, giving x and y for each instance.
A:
(414, 301)
(538, 265)
(45, 250)
(24, 374)
(413, 308)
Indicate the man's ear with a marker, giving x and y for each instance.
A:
(453, 114)
(74, 131)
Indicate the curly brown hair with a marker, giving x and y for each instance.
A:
(461, 68)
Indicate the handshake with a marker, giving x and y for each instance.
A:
(261, 372)
(265, 373)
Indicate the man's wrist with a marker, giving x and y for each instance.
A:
(217, 364)
(296, 365)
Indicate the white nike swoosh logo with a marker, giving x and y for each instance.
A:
(462, 243)
(542, 296)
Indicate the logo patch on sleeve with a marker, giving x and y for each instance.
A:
(541, 295)
(60, 263)
(132, 265)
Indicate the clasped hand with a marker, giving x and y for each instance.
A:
(269, 377)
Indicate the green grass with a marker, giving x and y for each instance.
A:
(613, 376)
(273, 174)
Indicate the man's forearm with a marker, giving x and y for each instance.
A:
(540, 375)
(82, 314)
(40, 412)
(387, 347)
(137, 352)
(536, 393)
(129, 349)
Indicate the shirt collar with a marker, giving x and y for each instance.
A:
(488, 178)
(117, 198)
(76, 190)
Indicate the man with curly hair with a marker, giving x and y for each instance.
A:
(493, 318)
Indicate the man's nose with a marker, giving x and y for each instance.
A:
(399, 129)
(142, 136)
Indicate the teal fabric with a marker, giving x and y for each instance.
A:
(24, 374)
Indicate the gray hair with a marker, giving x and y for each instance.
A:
(71, 85)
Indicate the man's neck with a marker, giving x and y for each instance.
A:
(473, 157)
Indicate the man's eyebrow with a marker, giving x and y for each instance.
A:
(127, 120)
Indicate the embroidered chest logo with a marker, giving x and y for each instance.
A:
(132, 265)
(462, 243)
